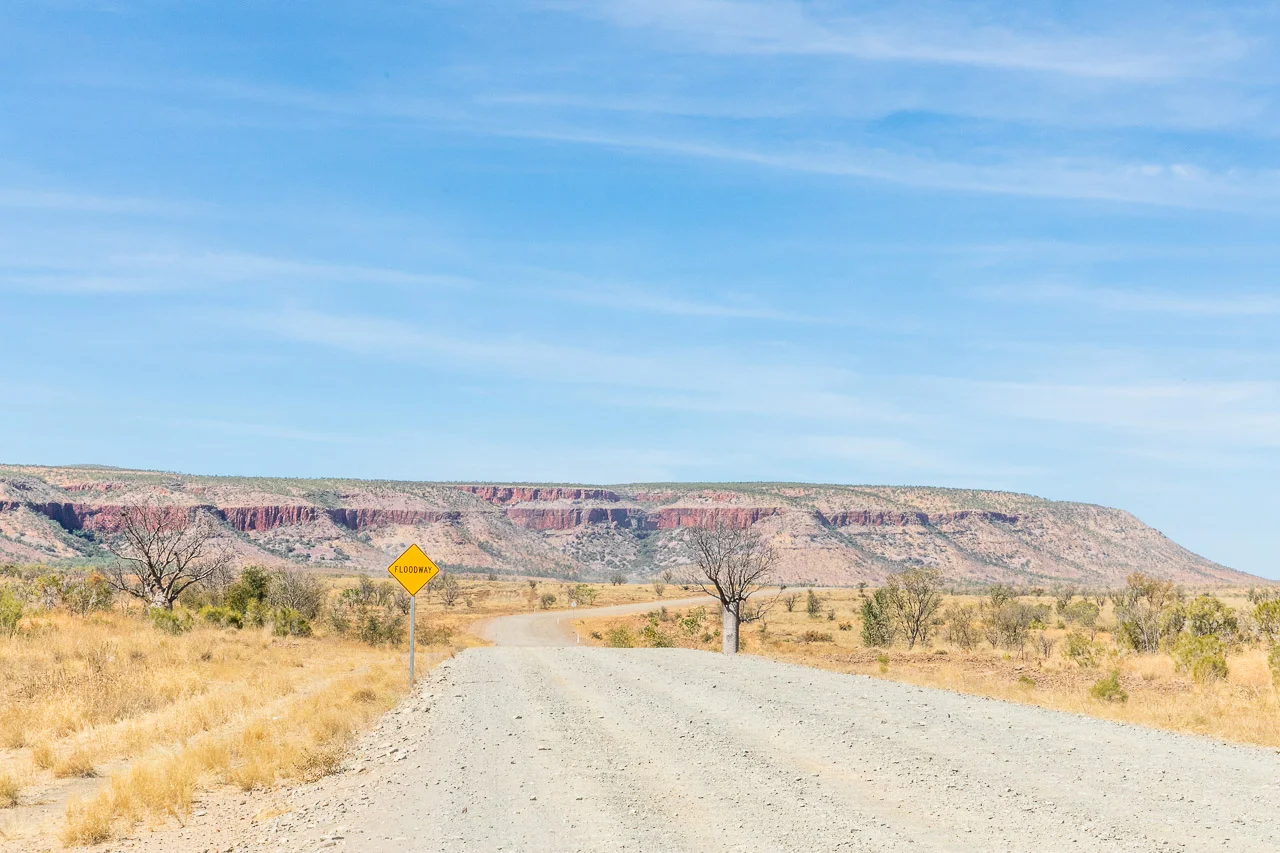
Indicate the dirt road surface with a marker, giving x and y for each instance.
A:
(541, 745)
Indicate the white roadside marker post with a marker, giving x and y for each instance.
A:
(414, 570)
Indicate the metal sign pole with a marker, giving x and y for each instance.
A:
(413, 621)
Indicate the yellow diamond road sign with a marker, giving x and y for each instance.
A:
(413, 569)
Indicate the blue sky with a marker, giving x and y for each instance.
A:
(1026, 246)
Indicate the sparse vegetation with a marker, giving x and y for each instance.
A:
(1228, 689)
(1108, 689)
(1202, 656)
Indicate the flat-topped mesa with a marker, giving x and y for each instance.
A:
(504, 495)
(883, 518)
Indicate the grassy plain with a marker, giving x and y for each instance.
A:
(1241, 708)
(107, 724)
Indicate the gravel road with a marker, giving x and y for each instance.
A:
(553, 748)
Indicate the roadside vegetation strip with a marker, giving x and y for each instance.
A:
(1065, 652)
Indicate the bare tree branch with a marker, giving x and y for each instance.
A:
(733, 563)
(162, 550)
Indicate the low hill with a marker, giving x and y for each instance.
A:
(834, 535)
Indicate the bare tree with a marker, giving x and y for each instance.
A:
(162, 550)
(733, 564)
(916, 595)
(298, 591)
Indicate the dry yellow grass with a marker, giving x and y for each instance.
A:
(9, 790)
(1244, 708)
(175, 713)
(162, 717)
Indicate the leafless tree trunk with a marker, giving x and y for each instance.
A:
(733, 564)
(162, 550)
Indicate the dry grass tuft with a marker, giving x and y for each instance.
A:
(9, 790)
(75, 764)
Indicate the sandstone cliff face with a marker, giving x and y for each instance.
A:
(825, 534)
(504, 495)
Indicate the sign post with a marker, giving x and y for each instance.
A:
(414, 570)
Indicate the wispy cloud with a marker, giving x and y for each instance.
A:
(922, 34)
(654, 301)
(77, 202)
(153, 272)
(1152, 183)
(1150, 301)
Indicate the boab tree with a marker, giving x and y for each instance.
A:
(162, 550)
(733, 563)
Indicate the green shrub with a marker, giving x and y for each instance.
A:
(1083, 612)
(287, 622)
(1203, 657)
(431, 634)
(88, 594)
(691, 623)
(254, 586)
(959, 626)
(653, 636)
(584, 594)
(619, 637)
(256, 613)
(1207, 616)
(813, 605)
(10, 611)
(1108, 689)
(655, 639)
(547, 600)
(877, 620)
(379, 627)
(369, 614)
(224, 616)
(171, 621)
(1266, 614)
(1082, 651)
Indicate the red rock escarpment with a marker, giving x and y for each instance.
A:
(78, 516)
(879, 518)
(504, 495)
